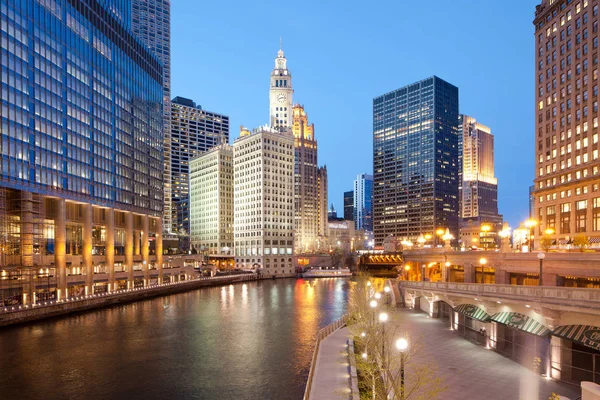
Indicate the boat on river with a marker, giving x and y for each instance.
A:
(320, 272)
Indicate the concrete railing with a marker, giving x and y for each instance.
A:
(321, 334)
(548, 294)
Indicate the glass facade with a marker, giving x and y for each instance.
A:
(81, 104)
(363, 203)
(415, 160)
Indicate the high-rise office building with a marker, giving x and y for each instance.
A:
(415, 160)
(263, 182)
(478, 187)
(211, 201)
(306, 215)
(280, 95)
(151, 22)
(363, 203)
(567, 167)
(349, 205)
(81, 188)
(193, 132)
(323, 201)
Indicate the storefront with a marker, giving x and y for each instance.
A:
(469, 321)
(522, 339)
(575, 353)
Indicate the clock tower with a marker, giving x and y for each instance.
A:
(280, 94)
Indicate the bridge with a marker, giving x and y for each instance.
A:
(388, 264)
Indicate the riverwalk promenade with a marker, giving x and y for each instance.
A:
(26, 313)
(468, 370)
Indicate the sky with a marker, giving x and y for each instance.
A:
(343, 54)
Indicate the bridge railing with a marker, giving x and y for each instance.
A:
(321, 334)
(547, 294)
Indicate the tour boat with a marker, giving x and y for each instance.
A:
(318, 272)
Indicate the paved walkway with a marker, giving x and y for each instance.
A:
(470, 371)
(331, 379)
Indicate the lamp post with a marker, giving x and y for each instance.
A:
(439, 233)
(402, 345)
(482, 261)
(383, 317)
(407, 268)
(373, 305)
(530, 223)
(541, 255)
(447, 265)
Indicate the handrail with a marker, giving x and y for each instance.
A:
(321, 334)
(73, 300)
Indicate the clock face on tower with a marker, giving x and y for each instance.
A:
(281, 97)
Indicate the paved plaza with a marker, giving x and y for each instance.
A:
(471, 371)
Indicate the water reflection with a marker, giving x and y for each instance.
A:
(248, 341)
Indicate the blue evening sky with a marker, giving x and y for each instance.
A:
(341, 54)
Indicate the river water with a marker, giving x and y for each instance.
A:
(245, 341)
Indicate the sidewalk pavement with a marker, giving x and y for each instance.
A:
(331, 379)
(471, 371)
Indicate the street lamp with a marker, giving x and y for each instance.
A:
(530, 223)
(383, 317)
(386, 289)
(439, 233)
(378, 296)
(447, 265)
(541, 255)
(373, 305)
(482, 261)
(402, 345)
(407, 268)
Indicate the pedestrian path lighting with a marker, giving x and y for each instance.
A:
(378, 296)
(402, 345)
(373, 305)
(482, 261)
(383, 317)
(386, 289)
(530, 223)
(541, 255)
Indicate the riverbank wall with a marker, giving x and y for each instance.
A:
(22, 314)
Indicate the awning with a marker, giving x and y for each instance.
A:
(472, 311)
(562, 241)
(585, 334)
(521, 322)
(594, 240)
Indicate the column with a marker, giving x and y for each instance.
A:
(87, 249)
(145, 250)
(136, 243)
(26, 237)
(129, 248)
(469, 273)
(159, 249)
(110, 248)
(60, 248)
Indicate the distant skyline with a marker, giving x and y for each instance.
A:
(342, 55)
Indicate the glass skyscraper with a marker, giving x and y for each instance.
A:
(81, 184)
(415, 160)
(363, 203)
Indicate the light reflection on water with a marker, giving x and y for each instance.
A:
(245, 341)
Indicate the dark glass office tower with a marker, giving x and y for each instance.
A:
(81, 188)
(349, 205)
(415, 160)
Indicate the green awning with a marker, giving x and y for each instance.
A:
(472, 311)
(521, 322)
(584, 334)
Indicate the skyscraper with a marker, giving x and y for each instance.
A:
(478, 186)
(263, 166)
(323, 202)
(193, 132)
(306, 215)
(151, 23)
(211, 200)
(349, 205)
(81, 186)
(280, 94)
(566, 116)
(363, 203)
(415, 160)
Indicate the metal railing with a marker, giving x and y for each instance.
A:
(321, 334)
